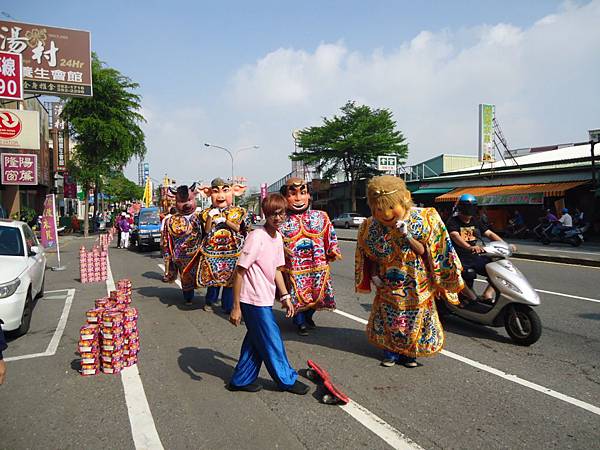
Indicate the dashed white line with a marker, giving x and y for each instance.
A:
(560, 294)
(513, 378)
(372, 422)
(143, 428)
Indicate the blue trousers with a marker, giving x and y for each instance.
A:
(262, 343)
(212, 295)
(301, 317)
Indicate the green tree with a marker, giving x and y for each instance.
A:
(122, 189)
(106, 128)
(351, 143)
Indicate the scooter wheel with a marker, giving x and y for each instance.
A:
(575, 241)
(522, 324)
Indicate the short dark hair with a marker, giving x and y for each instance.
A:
(273, 202)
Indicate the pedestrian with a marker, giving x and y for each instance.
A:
(125, 228)
(407, 254)
(256, 277)
(120, 217)
(3, 347)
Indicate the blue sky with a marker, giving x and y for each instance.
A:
(245, 73)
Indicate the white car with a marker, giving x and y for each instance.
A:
(22, 271)
(348, 220)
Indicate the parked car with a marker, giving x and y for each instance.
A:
(22, 274)
(146, 229)
(348, 220)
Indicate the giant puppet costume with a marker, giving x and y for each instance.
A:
(180, 240)
(225, 227)
(407, 254)
(311, 244)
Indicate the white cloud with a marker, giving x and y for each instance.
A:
(543, 79)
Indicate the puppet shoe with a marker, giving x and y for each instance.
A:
(302, 330)
(388, 362)
(310, 324)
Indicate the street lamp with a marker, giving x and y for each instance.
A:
(231, 155)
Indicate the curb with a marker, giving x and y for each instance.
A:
(533, 257)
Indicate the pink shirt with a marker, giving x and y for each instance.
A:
(261, 256)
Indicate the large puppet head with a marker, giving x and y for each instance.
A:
(297, 195)
(221, 192)
(388, 199)
(185, 198)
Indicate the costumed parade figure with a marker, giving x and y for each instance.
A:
(180, 239)
(225, 227)
(407, 254)
(311, 244)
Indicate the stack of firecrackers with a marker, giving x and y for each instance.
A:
(106, 239)
(93, 265)
(110, 340)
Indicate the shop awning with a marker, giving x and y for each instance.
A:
(431, 191)
(512, 194)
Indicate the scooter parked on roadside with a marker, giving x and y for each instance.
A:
(572, 235)
(512, 306)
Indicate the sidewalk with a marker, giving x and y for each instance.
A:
(586, 255)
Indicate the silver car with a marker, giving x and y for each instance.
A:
(348, 220)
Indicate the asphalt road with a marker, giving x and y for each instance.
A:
(455, 400)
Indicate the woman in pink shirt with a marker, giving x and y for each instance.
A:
(254, 282)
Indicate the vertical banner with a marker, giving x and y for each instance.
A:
(263, 191)
(49, 235)
(486, 132)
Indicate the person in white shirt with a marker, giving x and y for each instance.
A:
(565, 222)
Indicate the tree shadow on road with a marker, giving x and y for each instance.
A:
(591, 316)
(170, 296)
(196, 361)
(153, 275)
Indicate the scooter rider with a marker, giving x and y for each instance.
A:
(564, 223)
(465, 231)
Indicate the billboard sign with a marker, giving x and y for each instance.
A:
(56, 61)
(486, 132)
(11, 76)
(48, 231)
(387, 164)
(19, 129)
(19, 169)
(535, 198)
(263, 191)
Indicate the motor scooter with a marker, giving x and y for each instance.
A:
(512, 306)
(572, 236)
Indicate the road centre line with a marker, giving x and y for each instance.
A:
(143, 428)
(557, 293)
(513, 378)
(60, 328)
(372, 422)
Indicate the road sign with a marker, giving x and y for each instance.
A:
(387, 164)
(11, 76)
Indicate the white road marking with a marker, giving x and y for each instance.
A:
(557, 293)
(60, 328)
(143, 428)
(372, 422)
(379, 426)
(568, 251)
(513, 378)
(62, 323)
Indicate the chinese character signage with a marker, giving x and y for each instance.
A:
(11, 76)
(60, 153)
(19, 129)
(56, 61)
(387, 164)
(536, 198)
(486, 132)
(263, 191)
(19, 169)
(48, 231)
